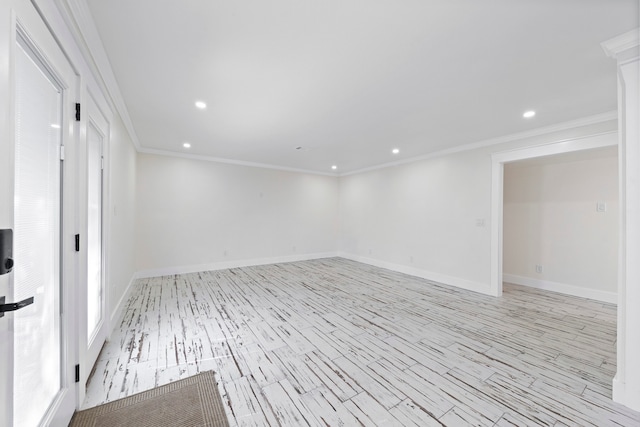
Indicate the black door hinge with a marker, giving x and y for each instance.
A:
(77, 373)
(77, 112)
(77, 243)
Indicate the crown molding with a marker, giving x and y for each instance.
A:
(623, 46)
(231, 162)
(84, 32)
(585, 121)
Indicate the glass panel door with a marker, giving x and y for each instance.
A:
(95, 294)
(37, 205)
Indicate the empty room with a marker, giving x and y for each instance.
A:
(337, 213)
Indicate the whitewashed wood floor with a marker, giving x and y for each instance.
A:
(339, 343)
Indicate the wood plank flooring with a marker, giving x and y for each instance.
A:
(333, 342)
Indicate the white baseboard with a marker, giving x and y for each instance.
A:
(621, 394)
(168, 271)
(116, 314)
(577, 291)
(483, 288)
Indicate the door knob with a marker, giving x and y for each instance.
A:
(14, 306)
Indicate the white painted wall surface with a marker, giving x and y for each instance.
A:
(194, 215)
(422, 215)
(121, 214)
(551, 220)
(422, 218)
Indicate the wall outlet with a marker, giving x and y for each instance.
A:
(538, 269)
(601, 207)
(224, 252)
(480, 222)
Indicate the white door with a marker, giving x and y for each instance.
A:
(39, 205)
(94, 324)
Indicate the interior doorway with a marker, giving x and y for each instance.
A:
(499, 160)
(560, 223)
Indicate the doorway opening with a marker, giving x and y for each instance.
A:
(560, 223)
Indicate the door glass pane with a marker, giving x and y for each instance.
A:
(37, 360)
(94, 244)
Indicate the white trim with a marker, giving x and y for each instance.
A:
(498, 160)
(231, 162)
(116, 313)
(615, 46)
(626, 384)
(223, 265)
(563, 288)
(622, 394)
(441, 279)
(586, 142)
(590, 120)
(496, 240)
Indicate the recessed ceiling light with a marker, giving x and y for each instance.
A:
(201, 105)
(529, 114)
(186, 145)
(334, 167)
(55, 126)
(395, 151)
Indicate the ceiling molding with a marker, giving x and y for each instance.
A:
(586, 121)
(618, 46)
(232, 162)
(82, 27)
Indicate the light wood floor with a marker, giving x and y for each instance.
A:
(339, 343)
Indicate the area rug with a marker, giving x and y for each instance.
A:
(191, 402)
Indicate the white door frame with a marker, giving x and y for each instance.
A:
(66, 18)
(95, 113)
(498, 160)
(21, 16)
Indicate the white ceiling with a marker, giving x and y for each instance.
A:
(348, 80)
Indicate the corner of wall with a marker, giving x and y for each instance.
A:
(118, 310)
(442, 279)
(185, 269)
(621, 394)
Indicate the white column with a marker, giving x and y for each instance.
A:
(626, 384)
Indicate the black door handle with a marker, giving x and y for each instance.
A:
(14, 306)
(6, 251)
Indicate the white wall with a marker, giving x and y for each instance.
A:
(550, 219)
(421, 217)
(194, 214)
(121, 214)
